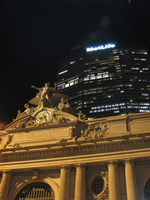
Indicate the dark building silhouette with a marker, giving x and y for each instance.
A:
(106, 80)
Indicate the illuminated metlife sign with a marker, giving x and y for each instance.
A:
(100, 47)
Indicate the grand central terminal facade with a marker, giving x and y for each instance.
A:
(49, 153)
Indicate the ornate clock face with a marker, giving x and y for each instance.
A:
(43, 116)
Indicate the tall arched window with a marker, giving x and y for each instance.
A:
(36, 191)
(147, 190)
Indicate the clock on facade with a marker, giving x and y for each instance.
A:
(43, 116)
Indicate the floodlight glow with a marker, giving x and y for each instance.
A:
(100, 47)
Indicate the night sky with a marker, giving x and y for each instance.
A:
(37, 33)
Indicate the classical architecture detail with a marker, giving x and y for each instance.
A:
(81, 116)
(96, 131)
(49, 149)
(28, 111)
(44, 96)
(9, 139)
(16, 145)
(36, 189)
(43, 118)
(49, 107)
(94, 177)
(35, 174)
(63, 104)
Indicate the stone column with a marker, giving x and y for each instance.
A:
(131, 184)
(114, 191)
(64, 183)
(5, 183)
(80, 183)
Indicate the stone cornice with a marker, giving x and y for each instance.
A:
(56, 162)
(74, 146)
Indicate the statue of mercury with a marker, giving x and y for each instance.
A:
(45, 93)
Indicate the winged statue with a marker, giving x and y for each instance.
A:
(47, 96)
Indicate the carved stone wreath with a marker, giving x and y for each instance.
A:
(104, 193)
(96, 131)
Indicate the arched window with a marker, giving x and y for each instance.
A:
(147, 190)
(36, 191)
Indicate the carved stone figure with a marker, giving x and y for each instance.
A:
(19, 115)
(63, 104)
(47, 96)
(81, 116)
(45, 93)
(26, 112)
(27, 109)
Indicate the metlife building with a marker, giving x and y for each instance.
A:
(106, 80)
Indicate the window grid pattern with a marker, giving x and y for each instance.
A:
(100, 74)
(147, 190)
(36, 191)
(97, 185)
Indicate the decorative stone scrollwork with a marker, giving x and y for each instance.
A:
(103, 195)
(63, 104)
(33, 121)
(48, 107)
(96, 131)
(9, 139)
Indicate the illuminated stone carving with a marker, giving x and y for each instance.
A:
(63, 104)
(16, 145)
(43, 118)
(47, 97)
(9, 139)
(47, 105)
(96, 131)
(103, 195)
(81, 116)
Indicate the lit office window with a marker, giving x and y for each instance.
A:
(116, 111)
(81, 58)
(67, 85)
(105, 74)
(76, 82)
(145, 69)
(63, 72)
(142, 59)
(71, 83)
(145, 94)
(99, 75)
(92, 77)
(72, 62)
(86, 78)
(135, 68)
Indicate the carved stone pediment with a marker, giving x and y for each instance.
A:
(42, 117)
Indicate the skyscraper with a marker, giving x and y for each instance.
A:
(106, 80)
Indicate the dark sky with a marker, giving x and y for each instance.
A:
(37, 33)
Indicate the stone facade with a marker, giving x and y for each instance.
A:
(47, 153)
(68, 154)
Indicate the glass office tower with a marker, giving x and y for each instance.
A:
(106, 80)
